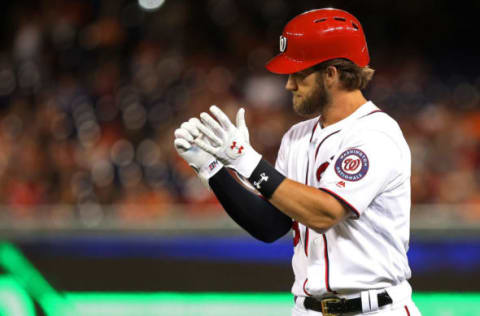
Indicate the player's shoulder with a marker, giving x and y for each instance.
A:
(378, 121)
(301, 129)
(378, 127)
(383, 136)
(373, 126)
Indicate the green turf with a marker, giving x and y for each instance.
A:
(236, 304)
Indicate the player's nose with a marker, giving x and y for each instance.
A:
(291, 84)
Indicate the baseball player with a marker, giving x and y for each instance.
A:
(342, 178)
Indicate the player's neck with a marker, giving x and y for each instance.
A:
(343, 104)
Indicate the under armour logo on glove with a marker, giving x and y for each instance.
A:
(235, 150)
(263, 177)
(234, 145)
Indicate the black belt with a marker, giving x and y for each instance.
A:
(336, 306)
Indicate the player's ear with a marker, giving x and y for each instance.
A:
(331, 75)
(331, 72)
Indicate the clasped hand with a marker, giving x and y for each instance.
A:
(221, 139)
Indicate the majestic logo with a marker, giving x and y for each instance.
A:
(283, 43)
(352, 165)
(263, 178)
(341, 184)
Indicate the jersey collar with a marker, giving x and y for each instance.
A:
(365, 109)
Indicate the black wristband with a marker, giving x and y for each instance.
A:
(265, 178)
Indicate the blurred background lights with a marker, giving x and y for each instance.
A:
(99, 88)
(91, 185)
(150, 5)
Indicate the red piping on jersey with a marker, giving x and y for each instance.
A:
(327, 268)
(316, 152)
(327, 273)
(304, 289)
(306, 174)
(296, 237)
(406, 309)
(306, 228)
(338, 197)
(308, 160)
(313, 131)
(307, 233)
(306, 183)
(374, 111)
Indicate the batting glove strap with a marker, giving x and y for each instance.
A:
(208, 170)
(265, 178)
(246, 163)
(204, 164)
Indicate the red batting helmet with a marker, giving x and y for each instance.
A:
(319, 35)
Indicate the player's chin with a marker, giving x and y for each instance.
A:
(297, 101)
(296, 105)
(300, 110)
(304, 109)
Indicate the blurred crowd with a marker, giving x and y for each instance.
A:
(91, 92)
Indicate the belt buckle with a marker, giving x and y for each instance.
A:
(324, 303)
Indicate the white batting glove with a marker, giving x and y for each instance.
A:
(204, 164)
(229, 143)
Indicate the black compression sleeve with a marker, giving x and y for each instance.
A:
(257, 216)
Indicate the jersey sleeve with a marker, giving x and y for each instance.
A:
(362, 168)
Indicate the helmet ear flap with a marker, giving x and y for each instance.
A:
(319, 35)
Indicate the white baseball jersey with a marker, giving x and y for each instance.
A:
(364, 161)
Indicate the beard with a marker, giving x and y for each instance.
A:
(313, 103)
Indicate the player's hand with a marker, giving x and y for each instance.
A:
(204, 164)
(229, 143)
